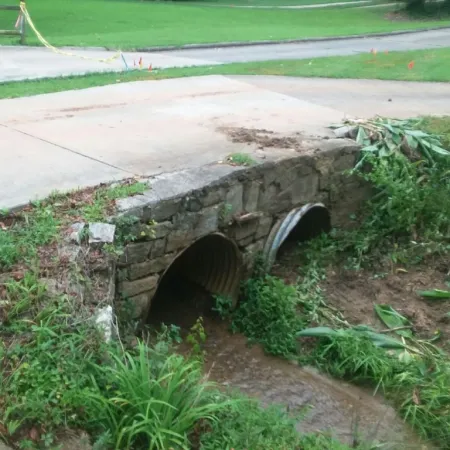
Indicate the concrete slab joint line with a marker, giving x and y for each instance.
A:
(65, 148)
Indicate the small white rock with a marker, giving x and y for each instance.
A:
(105, 320)
(101, 233)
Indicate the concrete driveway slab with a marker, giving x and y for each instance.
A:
(152, 126)
(81, 138)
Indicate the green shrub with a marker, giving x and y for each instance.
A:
(268, 314)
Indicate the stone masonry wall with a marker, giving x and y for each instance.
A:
(241, 202)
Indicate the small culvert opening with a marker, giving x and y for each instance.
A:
(208, 267)
(312, 224)
(300, 225)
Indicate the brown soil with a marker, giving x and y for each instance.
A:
(262, 138)
(355, 293)
(403, 16)
(398, 16)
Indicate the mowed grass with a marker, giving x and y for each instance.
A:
(267, 3)
(422, 65)
(129, 24)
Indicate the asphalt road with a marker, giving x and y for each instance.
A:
(17, 63)
(338, 47)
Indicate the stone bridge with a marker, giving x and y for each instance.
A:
(211, 222)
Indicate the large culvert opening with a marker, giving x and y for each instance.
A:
(187, 290)
(300, 225)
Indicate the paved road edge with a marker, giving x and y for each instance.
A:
(283, 41)
(213, 45)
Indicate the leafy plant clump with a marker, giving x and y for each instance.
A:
(269, 315)
(241, 159)
(409, 170)
(385, 137)
(414, 375)
(47, 363)
(154, 400)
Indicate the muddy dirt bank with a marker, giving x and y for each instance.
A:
(355, 293)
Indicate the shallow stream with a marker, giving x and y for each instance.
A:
(348, 412)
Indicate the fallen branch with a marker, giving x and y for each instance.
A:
(388, 330)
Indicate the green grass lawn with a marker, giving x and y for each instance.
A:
(268, 3)
(429, 65)
(128, 24)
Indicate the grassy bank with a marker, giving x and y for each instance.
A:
(429, 65)
(134, 24)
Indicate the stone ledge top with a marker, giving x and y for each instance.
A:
(173, 185)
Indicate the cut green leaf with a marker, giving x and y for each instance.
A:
(318, 332)
(392, 319)
(436, 294)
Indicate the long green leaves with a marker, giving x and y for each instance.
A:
(156, 401)
(379, 340)
(435, 294)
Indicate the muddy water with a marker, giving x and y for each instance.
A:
(344, 410)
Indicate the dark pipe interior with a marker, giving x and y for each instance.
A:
(314, 222)
(209, 266)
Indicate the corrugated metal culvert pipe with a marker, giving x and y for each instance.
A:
(209, 266)
(301, 224)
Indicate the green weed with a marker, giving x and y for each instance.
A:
(27, 232)
(355, 357)
(244, 424)
(241, 159)
(23, 233)
(46, 362)
(223, 306)
(196, 339)
(58, 372)
(418, 385)
(95, 211)
(269, 314)
(424, 398)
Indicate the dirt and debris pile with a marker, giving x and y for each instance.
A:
(262, 138)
